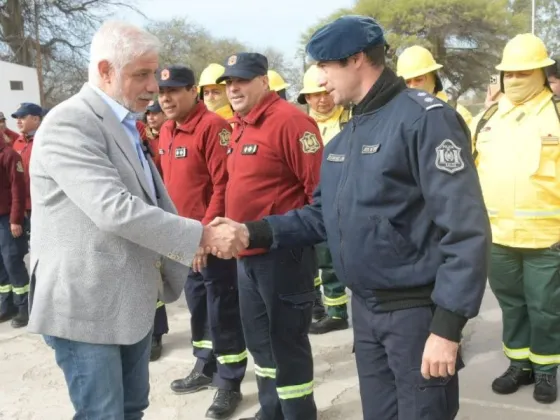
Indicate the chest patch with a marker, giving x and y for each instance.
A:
(335, 158)
(448, 157)
(180, 152)
(161, 152)
(249, 149)
(370, 149)
(19, 167)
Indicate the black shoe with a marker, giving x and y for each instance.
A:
(328, 324)
(318, 307)
(224, 405)
(258, 416)
(546, 388)
(512, 379)
(21, 319)
(196, 381)
(157, 347)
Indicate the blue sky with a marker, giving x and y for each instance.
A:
(278, 24)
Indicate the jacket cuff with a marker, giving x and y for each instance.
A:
(17, 219)
(447, 324)
(260, 234)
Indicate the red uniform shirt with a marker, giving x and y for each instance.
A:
(193, 161)
(12, 185)
(151, 138)
(274, 161)
(23, 145)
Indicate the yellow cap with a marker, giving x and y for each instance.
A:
(416, 61)
(275, 81)
(310, 84)
(524, 52)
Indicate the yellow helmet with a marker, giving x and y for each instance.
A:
(310, 84)
(524, 52)
(416, 61)
(275, 81)
(209, 75)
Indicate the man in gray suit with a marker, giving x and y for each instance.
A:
(107, 241)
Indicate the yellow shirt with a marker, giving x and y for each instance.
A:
(329, 126)
(518, 163)
(464, 112)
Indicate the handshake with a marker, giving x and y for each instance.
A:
(222, 238)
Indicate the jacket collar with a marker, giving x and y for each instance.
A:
(384, 89)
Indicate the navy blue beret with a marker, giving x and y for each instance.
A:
(344, 37)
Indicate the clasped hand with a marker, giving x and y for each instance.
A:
(222, 238)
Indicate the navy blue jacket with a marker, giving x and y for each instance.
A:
(400, 205)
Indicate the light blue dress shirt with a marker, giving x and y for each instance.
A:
(128, 121)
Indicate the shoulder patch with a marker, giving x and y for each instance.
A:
(425, 100)
(448, 157)
(224, 136)
(309, 143)
(19, 166)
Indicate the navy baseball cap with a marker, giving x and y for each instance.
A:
(244, 65)
(344, 37)
(28, 108)
(154, 107)
(175, 76)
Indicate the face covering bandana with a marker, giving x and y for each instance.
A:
(215, 104)
(520, 90)
(317, 116)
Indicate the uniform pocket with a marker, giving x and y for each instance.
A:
(295, 312)
(548, 161)
(435, 398)
(390, 243)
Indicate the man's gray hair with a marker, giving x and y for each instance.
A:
(119, 43)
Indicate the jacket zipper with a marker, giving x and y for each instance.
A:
(341, 185)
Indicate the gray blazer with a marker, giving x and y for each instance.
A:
(101, 248)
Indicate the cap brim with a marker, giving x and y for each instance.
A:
(172, 83)
(19, 114)
(240, 74)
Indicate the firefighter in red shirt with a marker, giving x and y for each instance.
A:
(14, 279)
(194, 145)
(273, 165)
(6, 135)
(28, 116)
(155, 119)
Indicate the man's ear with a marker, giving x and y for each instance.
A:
(104, 69)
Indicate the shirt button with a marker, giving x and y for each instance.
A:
(158, 264)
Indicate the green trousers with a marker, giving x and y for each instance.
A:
(335, 292)
(526, 283)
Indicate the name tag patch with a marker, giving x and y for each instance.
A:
(550, 140)
(335, 158)
(249, 149)
(370, 149)
(180, 152)
(161, 152)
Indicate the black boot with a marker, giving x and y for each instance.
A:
(224, 405)
(328, 324)
(22, 317)
(196, 381)
(258, 416)
(512, 379)
(318, 307)
(546, 388)
(157, 348)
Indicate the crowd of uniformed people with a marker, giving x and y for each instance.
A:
(389, 191)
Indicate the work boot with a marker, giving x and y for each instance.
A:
(22, 318)
(157, 347)
(196, 381)
(328, 324)
(224, 405)
(546, 390)
(512, 379)
(258, 416)
(318, 307)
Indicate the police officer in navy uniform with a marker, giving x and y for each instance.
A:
(400, 204)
